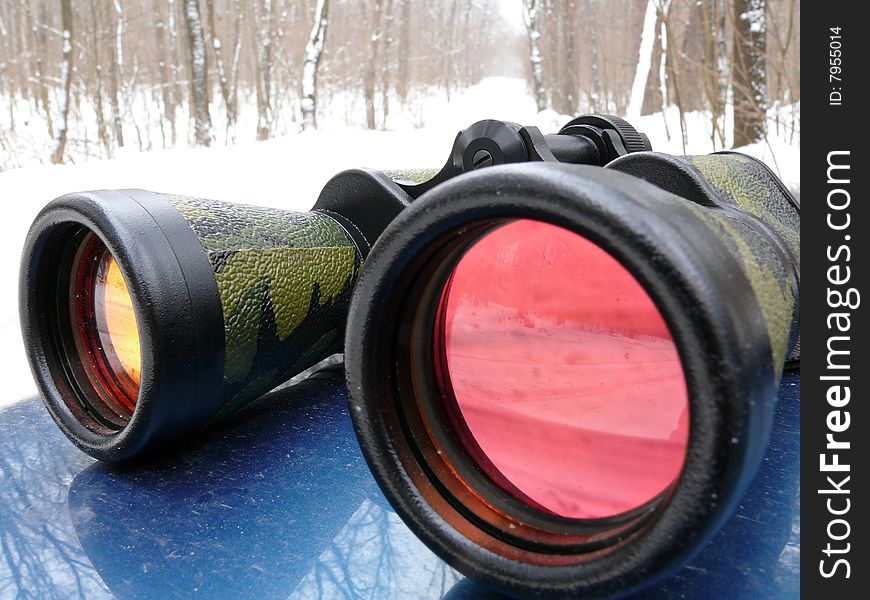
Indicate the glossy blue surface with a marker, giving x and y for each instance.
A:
(278, 502)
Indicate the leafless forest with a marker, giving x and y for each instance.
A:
(83, 78)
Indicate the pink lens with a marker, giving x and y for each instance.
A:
(561, 374)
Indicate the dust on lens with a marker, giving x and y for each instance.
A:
(104, 326)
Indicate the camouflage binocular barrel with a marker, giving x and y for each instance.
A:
(564, 377)
(562, 351)
(215, 304)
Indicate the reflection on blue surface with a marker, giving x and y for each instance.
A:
(279, 503)
(40, 555)
(757, 553)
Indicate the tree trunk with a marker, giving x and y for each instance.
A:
(174, 62)
(23, 51)
(715, 65)
(667, 46)
(402, 81)
(313, 52)
(226, 94)
(198, 73)
(692, 48)
(654, 97)
(166, 89)
(386, 70)
(96, 30)
(116, 57)
(38, 43)
(749, 80)
(662, 90)
(596, 92)
(644, 61)
(572, 70)
(262, 41)
(532, 22)
(66, 68)
(237, 53)
(370, 74)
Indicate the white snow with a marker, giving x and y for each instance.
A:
(756, 17)
(288, 173)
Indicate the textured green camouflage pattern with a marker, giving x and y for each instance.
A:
(284, 280)
(749, 186)
(411, 176)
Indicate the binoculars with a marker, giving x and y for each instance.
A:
(562, 351)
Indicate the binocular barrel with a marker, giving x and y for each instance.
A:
(148, 315)
(562, 376)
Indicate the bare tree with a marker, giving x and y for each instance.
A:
(571, 84)
(102, 128)
(116, 64)
(749, 79)
(670, 64)
(263, 41)
(404, 50)
(133, 73)
(167, 88)
(199, 90)
(223, 81)
(386, 71)
(595, 95)
(715, 72)
(313, 52)
(372, 62)
(235, 59)
(532, 21)
(644, 60)
(784, 38)
(40, 42)
(66, 72)
(174, 61)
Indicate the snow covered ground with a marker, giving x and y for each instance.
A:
(288, 173)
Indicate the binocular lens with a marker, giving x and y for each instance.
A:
(559, 375)
(104, 326)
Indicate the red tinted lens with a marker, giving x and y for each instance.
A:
(560, 373)
(104, 326)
